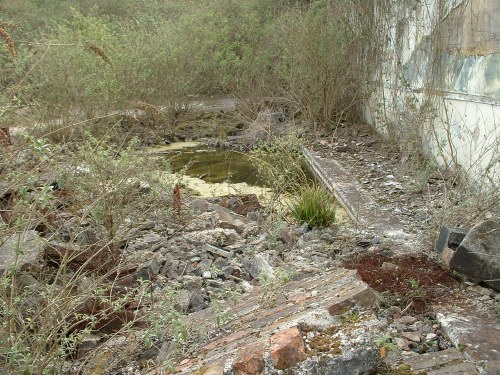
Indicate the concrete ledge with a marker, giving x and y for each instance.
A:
(360, 207)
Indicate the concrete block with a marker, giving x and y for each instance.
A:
(449, 237)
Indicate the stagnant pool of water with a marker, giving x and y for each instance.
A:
(214, 165)
(210, 172)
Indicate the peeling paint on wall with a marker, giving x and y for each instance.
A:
(441, 62)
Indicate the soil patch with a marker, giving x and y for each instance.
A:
(417, 280)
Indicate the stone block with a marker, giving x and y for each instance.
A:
(478, 255)
(287, 348)
(249, 360)
(449, 237)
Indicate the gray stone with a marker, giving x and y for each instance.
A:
(21, 251)
(199, 205)
(87, 345)
(166, 352)
(246, 286)
(341, 148)
(234, 202)
(224, 267)
(192, 283)
(202, 267)
(257, 264)
(407, 320)
(207, 275)
(287, 236)
(230, 220)
(388, 266)
(429, 361)
(412, 336)
(363, 360)
(183, 300)
(26, 281)
(476, 332)
(217, 251)
(197, 302)
(149, 270)
(402, 344)
(478, 289)
(151, 241)
(113, 355)
(464, 368)
(204, 221)
(216, 237)
(449, 237)
(303, 229)
(251, 230)
(431, 337)
(478, 255)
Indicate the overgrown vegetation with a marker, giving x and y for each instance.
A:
(74, 206)
(76, 61)
(83, 70)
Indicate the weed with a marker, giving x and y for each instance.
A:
(271, 284)
(315, 207)
(385, 341)
(413, 283)
(108, 185)
(350, 317)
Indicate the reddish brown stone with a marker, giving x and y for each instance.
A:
(249, 360)
(287, 348)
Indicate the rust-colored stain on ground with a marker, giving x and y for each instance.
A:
(418, 279)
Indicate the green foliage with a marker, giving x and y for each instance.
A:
(386, 341)
(88, 58)
(271, 284)
(106, 185)
(109, 185)
(280, 163)
(315, 207)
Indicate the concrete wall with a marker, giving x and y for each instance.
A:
(437, 80)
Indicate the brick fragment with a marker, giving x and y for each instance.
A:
(249, 360)
(287, 348)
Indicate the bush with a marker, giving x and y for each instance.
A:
(315, 207)
(101, 191)
(90, 59)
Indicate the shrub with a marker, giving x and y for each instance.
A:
(315, 207)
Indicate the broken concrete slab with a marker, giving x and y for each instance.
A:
(21, 251)
(478, 255)
(476, 332)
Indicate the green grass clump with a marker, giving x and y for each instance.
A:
(315, 207)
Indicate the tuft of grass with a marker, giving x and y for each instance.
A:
(315, 207)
